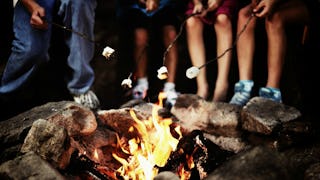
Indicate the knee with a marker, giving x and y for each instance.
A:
(274, 22)
(36, 49)
(223, 20)
(29, 49)
(169, 33)
(192, 22)
(243, 15)
(141, 38)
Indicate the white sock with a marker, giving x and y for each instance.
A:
(169, 86)
(143, 81)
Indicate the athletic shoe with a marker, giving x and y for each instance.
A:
(171, 97)
(242, 92)
(270, 93)
(88, 99)
(139, 91)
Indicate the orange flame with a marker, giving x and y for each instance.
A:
(151, 149)
(95, 154)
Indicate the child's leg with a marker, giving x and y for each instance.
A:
(223, 28)
(140, 56)
(245, 43)
(245, 52)
(140, 53)
(196, 47)
(277, 44)
(169, 34)
(291, 12)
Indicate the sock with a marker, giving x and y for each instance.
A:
(248, 84)
(143, 81)
(273, 89)
(169, 86)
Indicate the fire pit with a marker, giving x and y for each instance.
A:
(137, 141)
(147, 144)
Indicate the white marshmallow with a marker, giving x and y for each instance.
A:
(192, 72)
(107, 52)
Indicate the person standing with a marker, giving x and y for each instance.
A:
(32, 33)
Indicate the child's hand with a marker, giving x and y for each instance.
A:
(37, 14)
(264, 8)
(198, 8)
(213, 4)
(152, 5)
(37, 20)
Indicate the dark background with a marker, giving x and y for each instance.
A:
(299, 81)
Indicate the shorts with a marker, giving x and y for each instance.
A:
(163, 17)
(227, 7)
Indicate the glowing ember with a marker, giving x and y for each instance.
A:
(151, 149)
(95, 154)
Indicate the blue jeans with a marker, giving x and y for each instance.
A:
(30, 46)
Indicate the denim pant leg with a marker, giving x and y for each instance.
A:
(79, 15)
(29, 48)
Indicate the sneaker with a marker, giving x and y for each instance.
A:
(88, 99)
(270, 93)
(139, 91)
(171, 97)
(242, 92)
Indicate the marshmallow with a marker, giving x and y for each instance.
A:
(163, 73)
(107, 52)
(126, 83)
(192, 72)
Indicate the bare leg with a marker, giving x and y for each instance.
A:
(169, 34)
(223, 28)
(140, 53)
(245, 44)
(141, 58)
(276, 52)
(194, 29)
(293, 11)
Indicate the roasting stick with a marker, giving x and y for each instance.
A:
(84, 36)
(163, 71)
(107, 51)
(193, 71)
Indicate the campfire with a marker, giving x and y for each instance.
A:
(150, 145)
(148, 151)
(195, 139)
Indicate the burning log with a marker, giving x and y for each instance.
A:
(195, 157)
(81, 165)
(145, 140)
